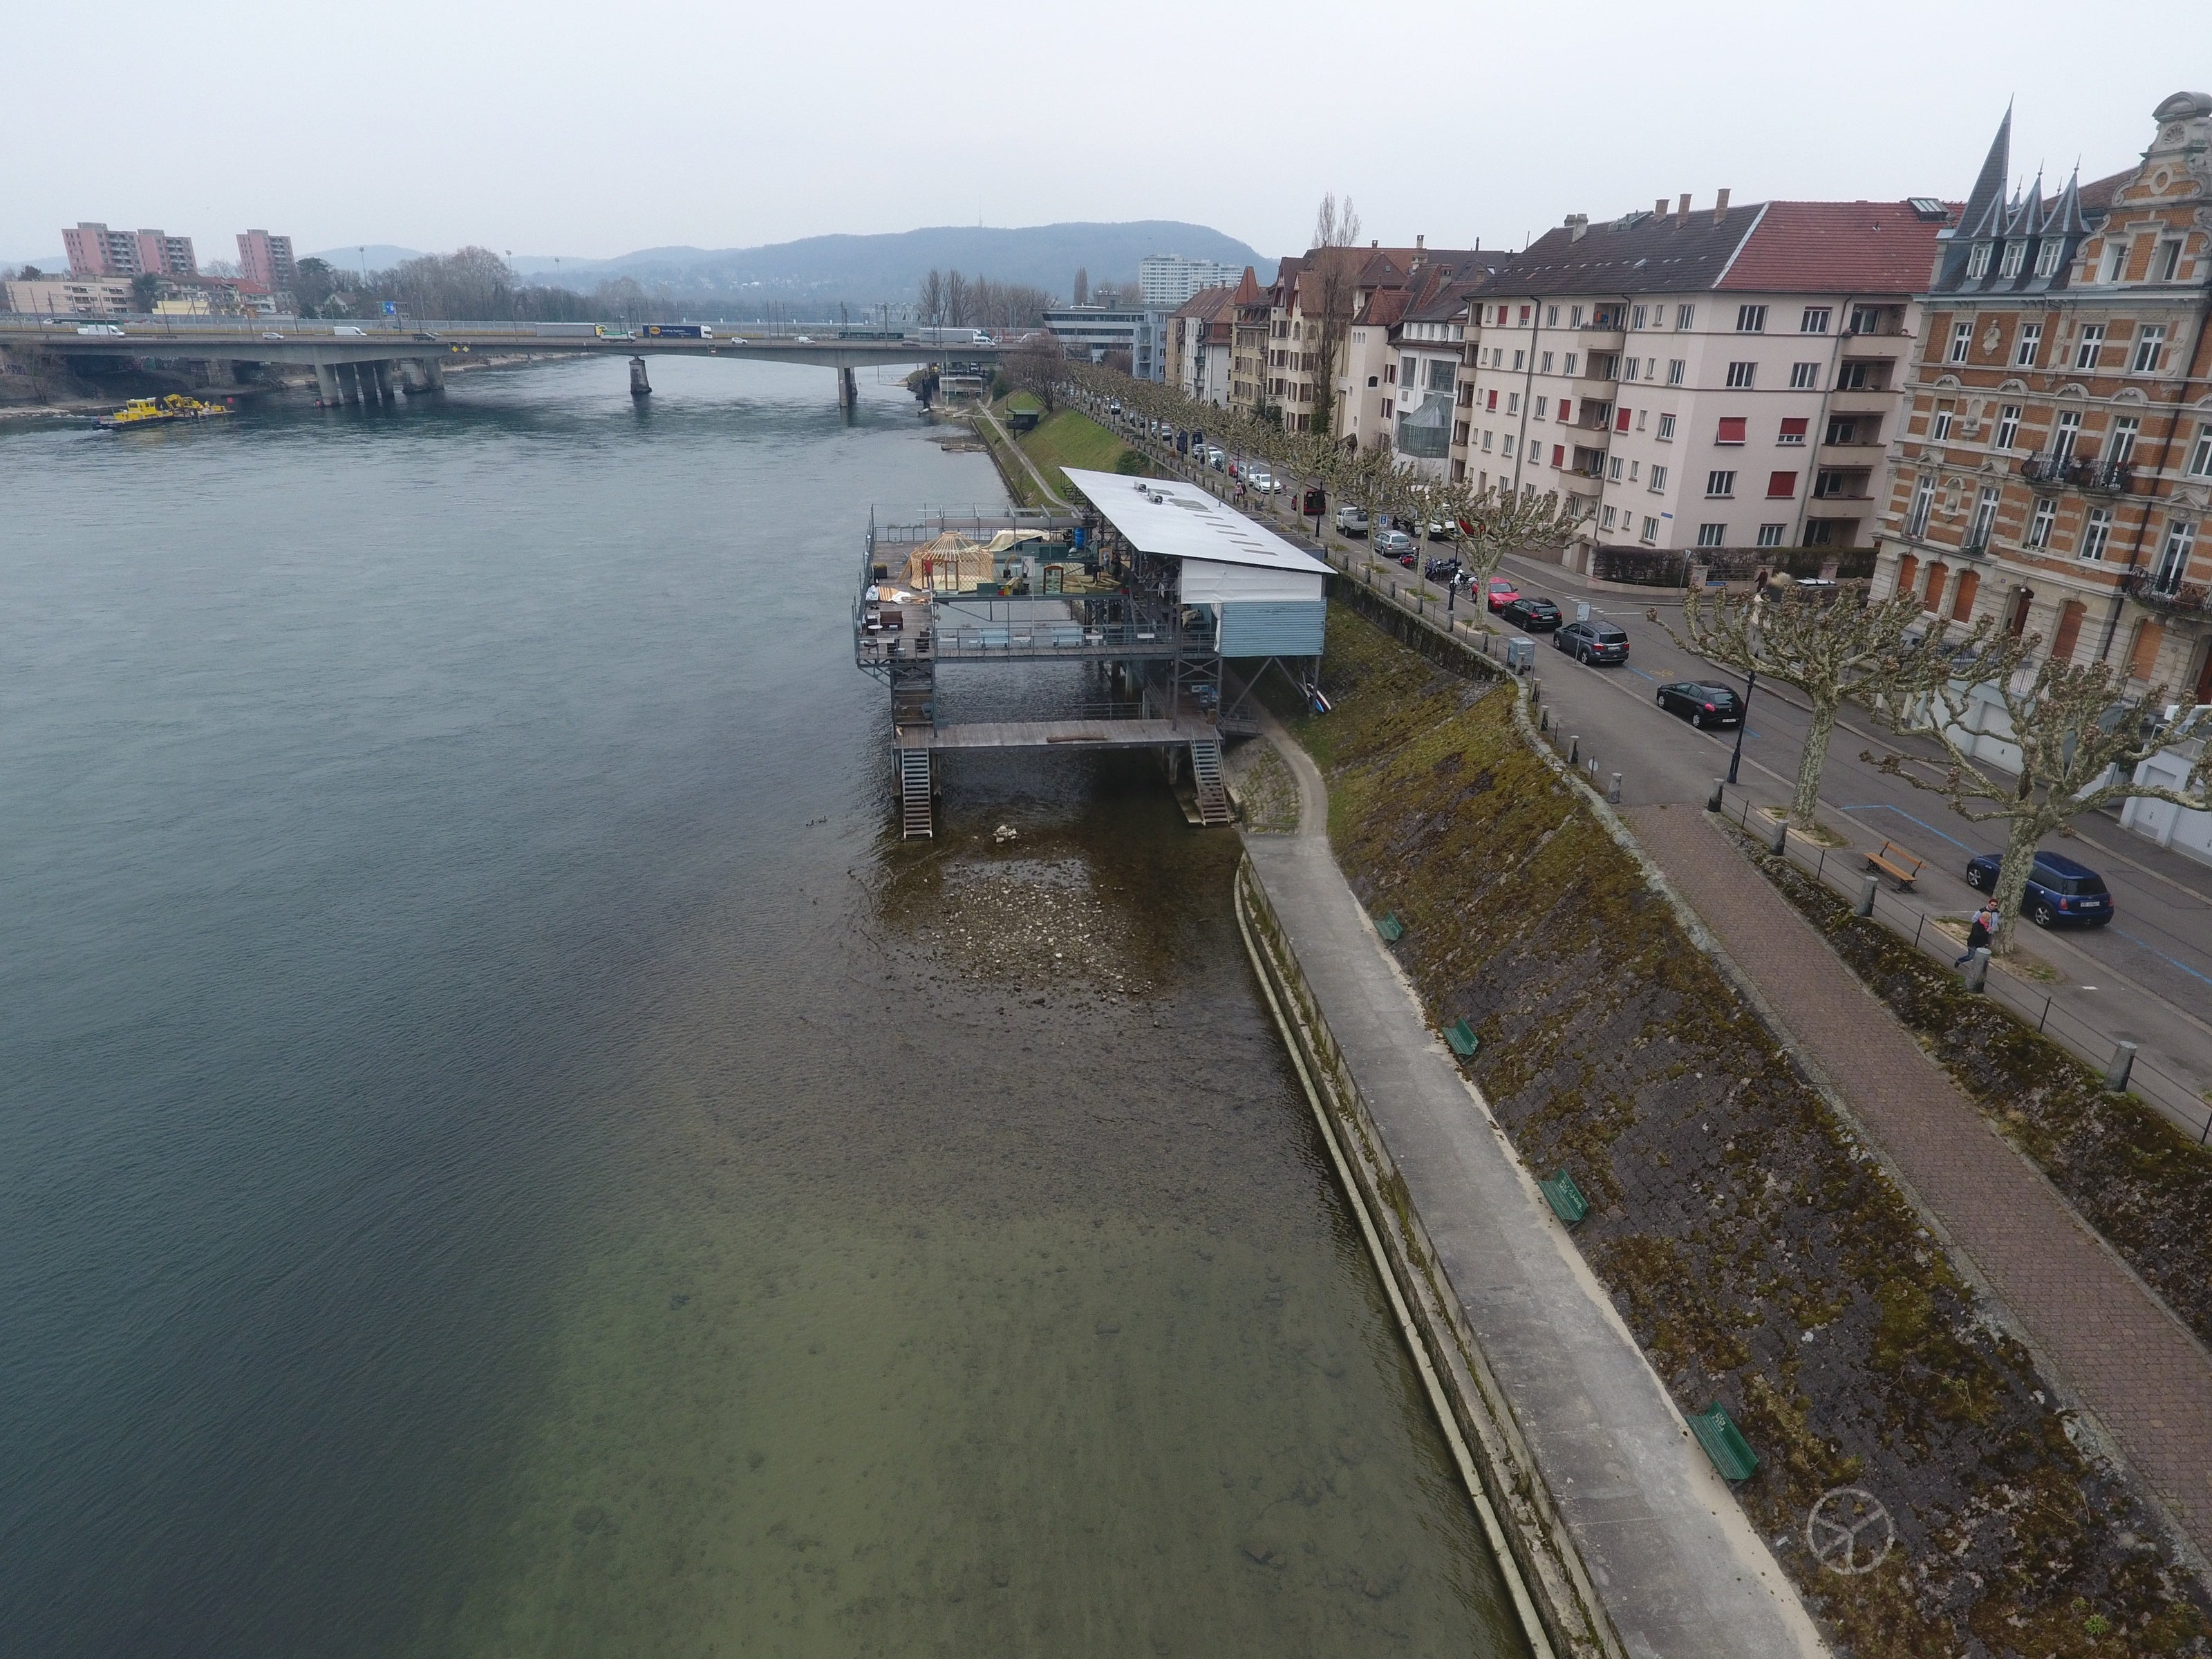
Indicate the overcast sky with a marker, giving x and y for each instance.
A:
(566, 128)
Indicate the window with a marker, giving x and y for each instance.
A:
(1610, 513)
(2091, 346)
(1636, 317)
(2174, 557)
(1804, 377)
(1491, 406)
(1924, 501)
(1512, 402)
(1613, 471)
(1487, 435)
(1942, 430)
(1443, 374)
(1666, 436)
(1526, 312)
(2098, 532)
(1986, 518)
(2200, 458)
(1566, 409)
(1628, 368)
(1650, 529)
(1712, 535)
(1570, 364)
(1507, 446)
(1685, 316)
(2047, 256)
(1782, 485)
(2121, 451)
(2029, 345)
(1675, 369)
(1720, 484)
(2166, 264)
(1520, 359)
(1751, 319)
(1731, 429)
(1658, 478)
(1620, 420)
(2015, 255)
(1770, 535)
(1545, 364)
(1977, 262)
(2150, 346)
(1559, 455)
(1962, 339)
(1542, 403)
(1574, 317)
(1551, 316)
(1740, 375)
(2038, 527)
(2008, 426)
(1815, 321)
(1793, 430)
(2067, 434)
(2115, 260)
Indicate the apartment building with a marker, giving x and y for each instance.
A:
(1200, 345)
(2055, 471)
(94, 250)
(1249, 330)
(1331, 352)
(1435, 395)
(1724, 378)
(1165, 281)
(266, 261)
(1090, 332)
(70, 296)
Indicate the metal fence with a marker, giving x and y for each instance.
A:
(2181, 1104)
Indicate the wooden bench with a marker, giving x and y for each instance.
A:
(1724, 1443)
(1900, 866)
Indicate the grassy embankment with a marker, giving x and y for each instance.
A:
(1063, 439)
(1760, 1255)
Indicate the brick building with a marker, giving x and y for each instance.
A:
(2055, 470)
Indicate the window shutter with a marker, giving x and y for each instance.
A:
(1791, 428)
(1784, 484)
(1620, 421)
(1558, 454)
(1566, 407)
(1732, 428)
(1493, 400)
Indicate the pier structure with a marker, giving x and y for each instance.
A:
(1154, 584)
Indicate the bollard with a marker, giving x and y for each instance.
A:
(1613, 794)
(2123, 1062)
(1978, 973)
(1535, 686)
(1713, 800)
(1543, 720)
(1574, 748)
(1868, 889)
(1779, 840)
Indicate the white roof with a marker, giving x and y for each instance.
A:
(1178, 520)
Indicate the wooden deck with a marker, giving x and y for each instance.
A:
(1053, 734)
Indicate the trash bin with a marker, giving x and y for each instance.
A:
(1519, 653)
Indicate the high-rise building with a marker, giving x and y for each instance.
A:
(166, 255)
(95, 250)
(1168, 279)
(267, 260)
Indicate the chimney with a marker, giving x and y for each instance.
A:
(1577, 226)
(1659, 208)
(1682, 208)
(1720, 207)
(1420, 242)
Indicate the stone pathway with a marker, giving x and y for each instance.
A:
(2125, 1357)
(1676, 1561)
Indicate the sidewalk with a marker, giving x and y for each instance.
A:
(2127, 1360)
(1675, 1560)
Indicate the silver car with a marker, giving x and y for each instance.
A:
(1393, 543)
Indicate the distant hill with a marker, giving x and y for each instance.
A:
(862, 270)
(381, 256)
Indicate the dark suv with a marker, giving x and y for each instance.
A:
(2059, 891)
(1534, 615)
(1592, 642)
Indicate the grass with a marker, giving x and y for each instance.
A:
(1069, 438)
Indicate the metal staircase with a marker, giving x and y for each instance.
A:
(914, 816)
(1206, 774)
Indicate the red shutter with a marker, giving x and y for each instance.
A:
(1493, 402)
(1731, 429)
(1558, 454)
(1566, 404)
(1524, 313)
(1784, 484)
(1620, 421)
(1795, 428)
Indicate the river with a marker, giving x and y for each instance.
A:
(503, 1152)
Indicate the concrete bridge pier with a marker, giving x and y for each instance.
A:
(432, 372)
(639, 385)
(849, 390)
(383, 379)
(326, 387)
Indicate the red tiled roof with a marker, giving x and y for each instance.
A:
(1385, 308)
(1836, 247)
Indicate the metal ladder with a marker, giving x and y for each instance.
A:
(1206, 774)
(913, 794)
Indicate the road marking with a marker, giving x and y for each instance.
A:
(2162, 956)
(1884, 806)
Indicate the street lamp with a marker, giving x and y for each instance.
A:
(1750, 678)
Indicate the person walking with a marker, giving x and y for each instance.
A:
(1979, 932)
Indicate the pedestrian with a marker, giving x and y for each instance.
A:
(1979, 932)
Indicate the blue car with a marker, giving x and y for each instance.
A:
(2060, 892)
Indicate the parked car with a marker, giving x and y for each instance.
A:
(1216, 457)
(1262, 480)
(1443, 530)
(1395, 545)
(1592, 642)
(1351, 520)
(1441, 570)
(2059, 892)
(1701, 705)
(1534, 615)
(1502, 593)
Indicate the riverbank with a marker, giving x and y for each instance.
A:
(1757, 1249)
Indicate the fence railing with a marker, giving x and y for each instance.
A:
(2181, 1104)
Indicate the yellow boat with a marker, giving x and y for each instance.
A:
(149, 412)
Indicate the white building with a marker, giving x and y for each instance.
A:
(1092, 331)
(1167, 280)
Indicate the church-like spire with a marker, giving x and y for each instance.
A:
(1984, 216)
(2067, 218)
(2027, 217)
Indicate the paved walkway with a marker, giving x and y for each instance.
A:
(983, 412)
(1681, 1572)
(2121, 1351)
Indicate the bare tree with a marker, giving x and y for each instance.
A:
(1325, 289)
(932, 297)
(1039, 368)
(959, 301)
(1495, 522)
(1335, 226)
(1827, 646)
(1082, 285)
(2079, 741)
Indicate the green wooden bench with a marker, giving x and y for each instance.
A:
(1565, 1198)
(1390, 928)
(1724, 1443)
(1462, 1039)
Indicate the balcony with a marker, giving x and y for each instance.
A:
(1855, 456)
(2148, 587)
(1862, 400)
(2055, 471)
(1606, 331)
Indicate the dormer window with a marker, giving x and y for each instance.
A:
(2015, 256)
(1978, 261)
(2046, 258)
(2116, 261)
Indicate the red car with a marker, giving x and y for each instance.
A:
(1502, 593)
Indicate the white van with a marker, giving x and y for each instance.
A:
(348, 328)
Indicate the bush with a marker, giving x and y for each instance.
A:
(1130, 464)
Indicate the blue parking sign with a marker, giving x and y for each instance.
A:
(391, 307)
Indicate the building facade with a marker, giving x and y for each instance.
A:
(94, 250)
(1167, 280)
(2054, 469)
(266, 261)
(70, 296)
(1092, 331)
(1202, 344)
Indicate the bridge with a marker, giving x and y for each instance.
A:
(356, 361)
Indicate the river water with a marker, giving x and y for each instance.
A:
(502, 1153)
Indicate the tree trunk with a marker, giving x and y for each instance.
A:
(2012, 880)
(1810, 759)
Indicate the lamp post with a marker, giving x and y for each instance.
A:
(1750, 678)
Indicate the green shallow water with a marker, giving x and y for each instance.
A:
(506, 1155)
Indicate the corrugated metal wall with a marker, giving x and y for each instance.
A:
(1276, 628)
